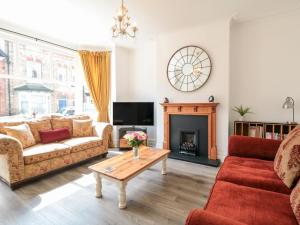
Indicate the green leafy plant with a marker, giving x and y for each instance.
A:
(241, 110)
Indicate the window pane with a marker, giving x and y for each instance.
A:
(88, 105)
(19, 97)
(36, 80)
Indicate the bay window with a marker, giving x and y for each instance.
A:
(36, 79)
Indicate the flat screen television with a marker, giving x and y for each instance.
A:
(133, 113)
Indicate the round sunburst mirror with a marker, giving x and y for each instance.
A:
(189, 68)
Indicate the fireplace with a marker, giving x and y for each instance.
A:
(189, 142)
(188, 137)
(190, 132)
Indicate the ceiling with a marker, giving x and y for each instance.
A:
(88, 22)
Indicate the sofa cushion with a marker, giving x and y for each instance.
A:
(50, 136)
(287, 159)
(295, 201)
(41, 152)
(82, 128)
(79, 117)
(62, 122)
(9, 124)
(82, 143)
(251, 206)
(251, 172)
(252, 147)
(39, 125)
(22, 133)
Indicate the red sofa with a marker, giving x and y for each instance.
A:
(247, 191)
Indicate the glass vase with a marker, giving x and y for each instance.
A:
(136, 153)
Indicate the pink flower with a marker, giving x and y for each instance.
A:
(140, 138)
(135, 136)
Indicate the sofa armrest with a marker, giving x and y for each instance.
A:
(202, 217)
(11, 159)
(103, 130)
(253, 147)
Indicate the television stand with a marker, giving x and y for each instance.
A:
(124, 130)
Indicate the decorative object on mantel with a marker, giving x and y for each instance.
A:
(166, 100)
(203, 129)
(211, 98)
(123, 26)
(242, 111)
(289, 103)
(135, 140)
(189, 68)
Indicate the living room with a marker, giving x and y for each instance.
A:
(150, 112)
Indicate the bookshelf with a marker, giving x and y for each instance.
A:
(268, 130)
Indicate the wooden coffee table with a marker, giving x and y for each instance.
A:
(122, 168)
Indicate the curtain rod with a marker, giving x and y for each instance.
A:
(38, 39)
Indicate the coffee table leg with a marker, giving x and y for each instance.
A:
(122, 195)
(98, 185)
(164, 166)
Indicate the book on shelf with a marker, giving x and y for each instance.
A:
(269, 135)
(274, 136)
(256, 131)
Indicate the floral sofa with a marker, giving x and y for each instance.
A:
(18, 164)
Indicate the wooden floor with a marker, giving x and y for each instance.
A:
(69, 197)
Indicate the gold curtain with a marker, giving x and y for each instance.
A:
(96, 67)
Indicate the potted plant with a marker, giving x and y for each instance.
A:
(135, 140)
(242, 111)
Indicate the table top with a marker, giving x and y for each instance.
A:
(124, 166)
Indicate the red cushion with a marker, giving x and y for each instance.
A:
(250, 205)
(251, 147)
(204, 217)
(50, 136)
(251, 172)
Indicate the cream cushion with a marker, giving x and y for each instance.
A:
(287, 159)
(62, 122)
(39, 125)
(22, 133)
(9, 124)
(41, 152)
(295, 201)
(82, 128)
(79, 117)
(82, 143)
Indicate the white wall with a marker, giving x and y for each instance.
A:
(120, 82)
(265, 59)
(143, 79)
(214, 38)
(122, 70)
(135, 78)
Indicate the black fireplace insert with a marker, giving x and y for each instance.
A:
(189, 138)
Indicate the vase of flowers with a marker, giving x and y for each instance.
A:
(135, 140)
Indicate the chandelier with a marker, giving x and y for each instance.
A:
(123, 26)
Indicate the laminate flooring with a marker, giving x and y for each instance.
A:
(68, 197)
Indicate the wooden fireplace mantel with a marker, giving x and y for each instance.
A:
(201, 109)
